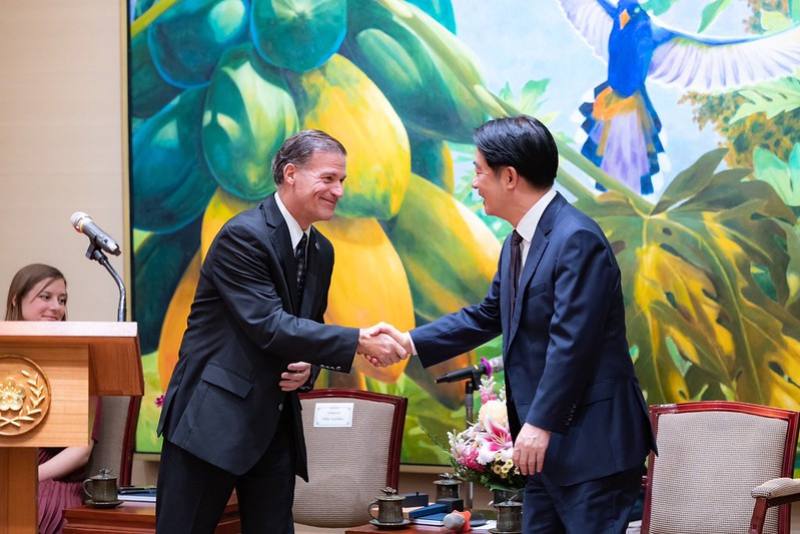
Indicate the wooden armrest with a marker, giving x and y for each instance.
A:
(777, 487)
(771, 493)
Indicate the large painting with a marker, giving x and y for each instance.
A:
(677, 123)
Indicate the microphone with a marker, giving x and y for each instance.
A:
(85, 225)
(457, 521)
(486, 367)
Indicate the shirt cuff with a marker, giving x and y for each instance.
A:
(411, 342)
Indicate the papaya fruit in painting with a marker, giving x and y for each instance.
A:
(341, 100)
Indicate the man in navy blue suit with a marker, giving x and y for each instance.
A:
(574, 404)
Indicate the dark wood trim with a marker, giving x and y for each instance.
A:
(129, 441)
(398, 421)
(787, 468)
(759, 515)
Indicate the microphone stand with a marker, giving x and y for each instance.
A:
(472, 383)
(94, 253)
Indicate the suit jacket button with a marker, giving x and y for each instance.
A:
(280, 406)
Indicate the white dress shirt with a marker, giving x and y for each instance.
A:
(295, 232)
(526, 226)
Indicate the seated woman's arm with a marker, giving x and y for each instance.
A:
(72, 458)
(65, 462)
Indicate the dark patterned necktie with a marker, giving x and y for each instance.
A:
(516, 266)
(300, 256)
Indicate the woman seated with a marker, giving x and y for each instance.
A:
(38, 292)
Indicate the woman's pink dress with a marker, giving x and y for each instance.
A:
(57, 495)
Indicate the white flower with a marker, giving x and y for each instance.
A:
(494, 410)
(11, 396)
(485, 454)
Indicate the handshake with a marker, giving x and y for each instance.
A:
(383, 344)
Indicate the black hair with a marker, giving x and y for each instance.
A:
(299, 148)
(523, 143)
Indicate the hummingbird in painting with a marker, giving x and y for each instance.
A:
(621, 123)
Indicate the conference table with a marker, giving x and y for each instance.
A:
(410, 529)
(134, 518)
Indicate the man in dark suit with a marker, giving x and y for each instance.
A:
(574, 404)
(230, 418)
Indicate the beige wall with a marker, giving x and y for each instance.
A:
(61, 142)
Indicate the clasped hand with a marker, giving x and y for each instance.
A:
(383, 345)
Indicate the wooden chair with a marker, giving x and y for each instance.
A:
(348, 465)
(714, 458)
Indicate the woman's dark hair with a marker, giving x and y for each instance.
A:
(25, 279)
(299, 148)
(523, 143)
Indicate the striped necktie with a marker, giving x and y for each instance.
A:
(300, 256)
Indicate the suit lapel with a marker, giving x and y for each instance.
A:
(312, 275)
(535, 253)
(281, 243)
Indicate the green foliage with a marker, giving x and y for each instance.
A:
(711, 12)
(530, 99)
(775, 21)
(149, 411)
(783, 176)
(658, 7)
(777, 134)
(771, 98)
(690, 292)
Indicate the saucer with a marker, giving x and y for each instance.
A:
(103, 504)
(378, 524)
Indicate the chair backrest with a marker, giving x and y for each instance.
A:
(711, 454)
(115, 437)
(348, 465)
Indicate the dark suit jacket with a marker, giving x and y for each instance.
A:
(223, 402)
(565, 354)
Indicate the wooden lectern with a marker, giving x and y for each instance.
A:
(47, 372)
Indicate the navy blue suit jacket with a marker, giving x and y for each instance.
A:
(565, 354)
(223, 402)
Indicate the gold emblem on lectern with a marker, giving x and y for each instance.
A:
(24, 395)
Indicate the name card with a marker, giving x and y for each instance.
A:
(333, 414)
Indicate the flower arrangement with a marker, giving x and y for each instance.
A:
(482, 453)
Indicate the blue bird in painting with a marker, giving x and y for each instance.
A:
(621, 124)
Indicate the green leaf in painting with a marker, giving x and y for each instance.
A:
(794, 10)
(711, 12)
(772, 98)
(774, 21)
(793, 269)
(658, 7)
(688, 267)
(783, 176)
